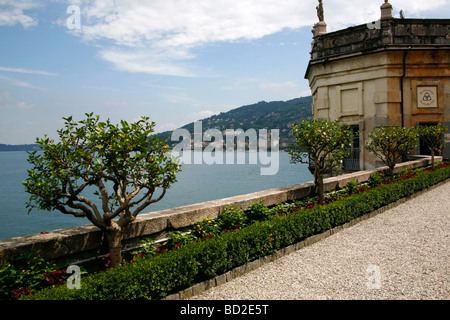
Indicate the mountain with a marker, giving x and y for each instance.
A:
(262, 115)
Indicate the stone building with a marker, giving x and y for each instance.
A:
(393, 71)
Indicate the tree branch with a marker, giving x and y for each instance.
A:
(149, 201)
(105, 196)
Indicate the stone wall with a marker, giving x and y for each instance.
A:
(395, 72)
(381, 34)
(86, 242)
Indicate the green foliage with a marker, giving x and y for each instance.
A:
(323, 145)
(205, 228)
(91, 153)
(158, 276)
(326, 142)
(258, 212)
(232, 218)
(274, 114)
(351, 186)
(179, 238)
(286, 207)
(391, 144)
(122, 162)
(433, 137)
(375, 179)
(24, 274)
(147, 248)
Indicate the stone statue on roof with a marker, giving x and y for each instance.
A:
(320, 11)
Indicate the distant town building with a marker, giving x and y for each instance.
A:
(394, 71)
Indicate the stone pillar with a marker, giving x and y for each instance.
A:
(386, 10)
(320, 28)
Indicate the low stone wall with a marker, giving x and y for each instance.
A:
(87, 242)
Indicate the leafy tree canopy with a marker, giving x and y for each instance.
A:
(121, 162)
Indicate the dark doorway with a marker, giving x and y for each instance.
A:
(352, 162)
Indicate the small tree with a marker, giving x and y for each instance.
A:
(112, 162)
(321, 144)
(433, 137)
(391, 144)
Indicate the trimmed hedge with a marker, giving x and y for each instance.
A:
(159, 276)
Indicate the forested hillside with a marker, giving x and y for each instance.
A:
(262, 115)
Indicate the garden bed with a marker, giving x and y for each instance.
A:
(214, 247)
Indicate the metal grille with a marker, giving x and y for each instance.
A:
(352, 162)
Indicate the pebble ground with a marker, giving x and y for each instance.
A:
(402, 253)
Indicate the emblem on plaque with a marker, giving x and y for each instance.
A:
(427, 97)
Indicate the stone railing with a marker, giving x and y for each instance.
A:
(86, 242)
(382, 34)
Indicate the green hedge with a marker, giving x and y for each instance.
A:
(159, 276)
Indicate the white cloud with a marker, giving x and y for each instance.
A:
(12, 13)
(23, 84)
(27, 71)
(160, 36)
(8, 102)
(175, 23)
(147, 61)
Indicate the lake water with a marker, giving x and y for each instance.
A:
(196, 183)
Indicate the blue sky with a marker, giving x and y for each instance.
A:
(175, 61)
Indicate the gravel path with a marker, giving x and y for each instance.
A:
(402, 253)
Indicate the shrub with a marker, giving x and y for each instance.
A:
(375, 179)
(205, 228)
(147, 248)
(24, 274)
(158, 276)
(258, 212)
(351, 187)
(179, 238)
(283, 209)
(232, 218)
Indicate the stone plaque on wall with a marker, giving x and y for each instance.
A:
(350, 100)
(427, 97)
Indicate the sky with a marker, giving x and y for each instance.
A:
(175, 61)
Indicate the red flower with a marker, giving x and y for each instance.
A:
(55, 277)
(22, 291)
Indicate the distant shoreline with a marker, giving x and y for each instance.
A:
(20, 147)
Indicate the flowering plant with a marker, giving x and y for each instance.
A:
(232, 218)
(205, 227)
(23, 274)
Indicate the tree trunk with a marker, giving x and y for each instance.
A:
(114, 237)
(318, 182)
(320, 188)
